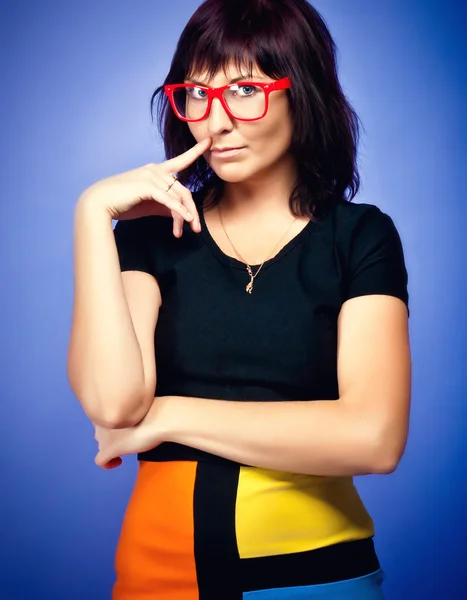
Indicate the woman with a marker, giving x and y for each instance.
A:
(276, 308)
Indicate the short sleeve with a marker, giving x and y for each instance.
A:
(377, 262)
(132, 247)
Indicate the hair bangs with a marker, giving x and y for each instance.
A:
(211, 54)
(213, 57)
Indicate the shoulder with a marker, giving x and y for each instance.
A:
(371, 248)
(351, 215)
(362, 225)
(143, 229)
(139, 242)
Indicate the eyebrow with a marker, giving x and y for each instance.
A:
(241, 78)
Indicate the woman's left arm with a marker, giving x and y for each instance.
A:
(364, 431)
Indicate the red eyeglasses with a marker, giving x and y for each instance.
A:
(245, 101)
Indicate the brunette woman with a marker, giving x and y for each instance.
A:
(276, 311)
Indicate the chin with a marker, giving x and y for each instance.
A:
(231, 177)
(233, 172)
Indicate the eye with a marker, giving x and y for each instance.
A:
(196, 93)
(247, 90)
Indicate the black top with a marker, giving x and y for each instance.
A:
(214, 340)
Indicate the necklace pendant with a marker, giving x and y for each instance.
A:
(249, 287)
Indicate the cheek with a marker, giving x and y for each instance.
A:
(272, 137)
(274, 132)
(197, 130)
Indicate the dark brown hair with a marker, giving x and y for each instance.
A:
(284, 38)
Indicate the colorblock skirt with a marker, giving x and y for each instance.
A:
(197, 530)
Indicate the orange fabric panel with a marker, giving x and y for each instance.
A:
(155, 553)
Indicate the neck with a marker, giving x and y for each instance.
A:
(266, 192)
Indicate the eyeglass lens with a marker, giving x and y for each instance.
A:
(244, 101)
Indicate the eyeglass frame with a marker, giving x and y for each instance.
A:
(280, 84)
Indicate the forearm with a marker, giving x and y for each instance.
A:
(105, 367)
(325, 438)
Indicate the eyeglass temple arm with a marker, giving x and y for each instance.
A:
(281, 84)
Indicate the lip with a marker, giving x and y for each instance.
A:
(228, 152)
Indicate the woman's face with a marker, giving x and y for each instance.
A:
(264, 143)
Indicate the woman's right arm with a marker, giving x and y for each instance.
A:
(111, 362)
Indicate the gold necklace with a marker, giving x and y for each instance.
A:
(249, 287)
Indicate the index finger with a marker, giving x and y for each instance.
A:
(178, 163)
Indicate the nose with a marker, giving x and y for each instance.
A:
(218, 119)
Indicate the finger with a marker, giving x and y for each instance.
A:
(178, 192)
(177, 225)
(114, 462)
(188, 201)
(105, 462)
(188, 206)
(172, 201)
(178, 163)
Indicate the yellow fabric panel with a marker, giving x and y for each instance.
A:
(282, 513)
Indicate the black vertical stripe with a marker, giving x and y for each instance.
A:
(216, 552)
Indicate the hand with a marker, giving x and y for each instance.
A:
(147, 434)
(142, 191)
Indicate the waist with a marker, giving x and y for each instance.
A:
(170, 451)
(261, 528)
(271, 512)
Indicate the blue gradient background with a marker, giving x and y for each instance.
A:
(76, 78)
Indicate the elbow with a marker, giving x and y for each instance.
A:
(118, 413)
(111, 403)
(112, 421)
(108, 409)
(120, 418)
(387, 456)
(385, 466)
